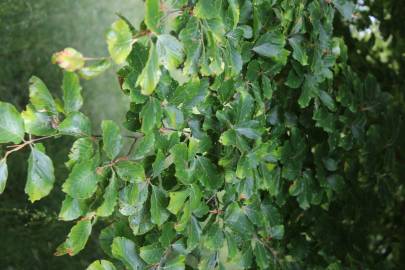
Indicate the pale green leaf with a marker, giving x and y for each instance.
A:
(150, 75)
(94, 70)
(151, 254)
(119, 40)
(170, 51)
(101, 265)
(72, 209)
(177, 200)
(153, 15)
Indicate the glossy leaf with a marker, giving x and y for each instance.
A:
(3, 174)
(40, 177)
(11, 124)
(82, 181)
(150, 75)
(75, 124)
(112, 139)
(72, 98)
(76, 240)
(124, 250)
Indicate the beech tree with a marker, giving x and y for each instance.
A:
(255, 144)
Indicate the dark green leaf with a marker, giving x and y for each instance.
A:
(11, 124)
(72, 98)
(112, 139)
(40, 177)
(3, 174)
(124, 250)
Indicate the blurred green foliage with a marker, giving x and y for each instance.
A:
(31, 31)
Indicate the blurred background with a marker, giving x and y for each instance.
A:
(32, 30)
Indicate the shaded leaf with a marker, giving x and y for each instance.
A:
(124, 250)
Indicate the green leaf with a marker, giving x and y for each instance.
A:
(170, 51)
(299, 52)
(40, 177)
(177, 200)
(234, 6)
(130, 171)
(144, 147)
(110, 197)
(236, 219)
(112, 139)
(69, 59)
(327, 100)
(124, 250)
(82, 150)
(153, 15)
(208, 174)
(158, 211)
(11, 124)
(150, 75)
(82, 181)
(72, 209)
(346, 8)
(194, 233)
(3, 174)
(208, 9)
(71, 92)
(119, 40)
(180, 159)
(159, 165)
(175, 263)
(75, 124)
(140, 221)
(151, 115)
(272, 45)
(262, 256)
(174, 118)
(77, 239)
(214, 237)
(151, 254)
(309, 91)
(40, 96)
(191, 38)
(301, 188)
(94, 70)
(38, 123)
(101, 265)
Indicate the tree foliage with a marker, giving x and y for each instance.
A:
(256, 146)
